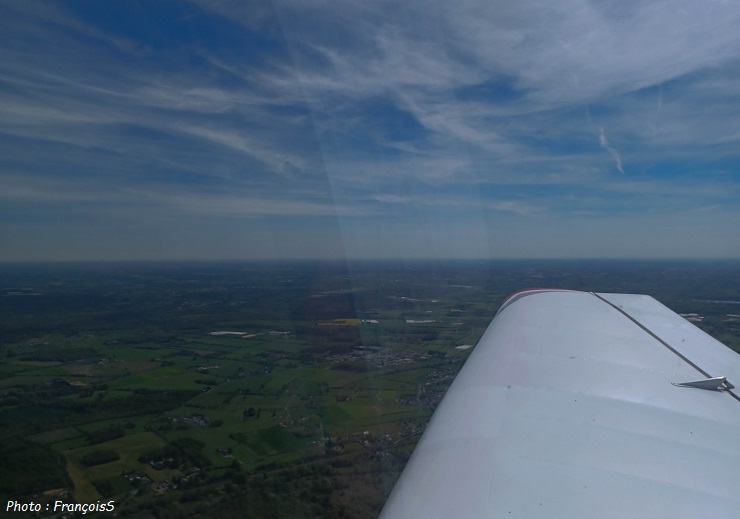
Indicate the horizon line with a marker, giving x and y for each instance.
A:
(352, 260)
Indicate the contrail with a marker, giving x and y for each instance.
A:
(615, 155)
(657, 110)
(654, 122)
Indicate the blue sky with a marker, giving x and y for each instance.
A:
(220, 129)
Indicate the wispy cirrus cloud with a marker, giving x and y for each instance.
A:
(480, 113)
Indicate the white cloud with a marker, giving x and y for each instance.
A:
(365, 109)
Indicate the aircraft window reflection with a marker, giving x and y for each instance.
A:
(247, 249)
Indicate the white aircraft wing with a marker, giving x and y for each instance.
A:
(568, 408)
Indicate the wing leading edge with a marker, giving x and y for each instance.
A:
(568, 408)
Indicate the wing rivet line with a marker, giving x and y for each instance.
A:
(721, 386)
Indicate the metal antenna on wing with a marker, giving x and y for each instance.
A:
(713, 384)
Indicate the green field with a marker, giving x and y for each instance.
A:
(114, 387)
